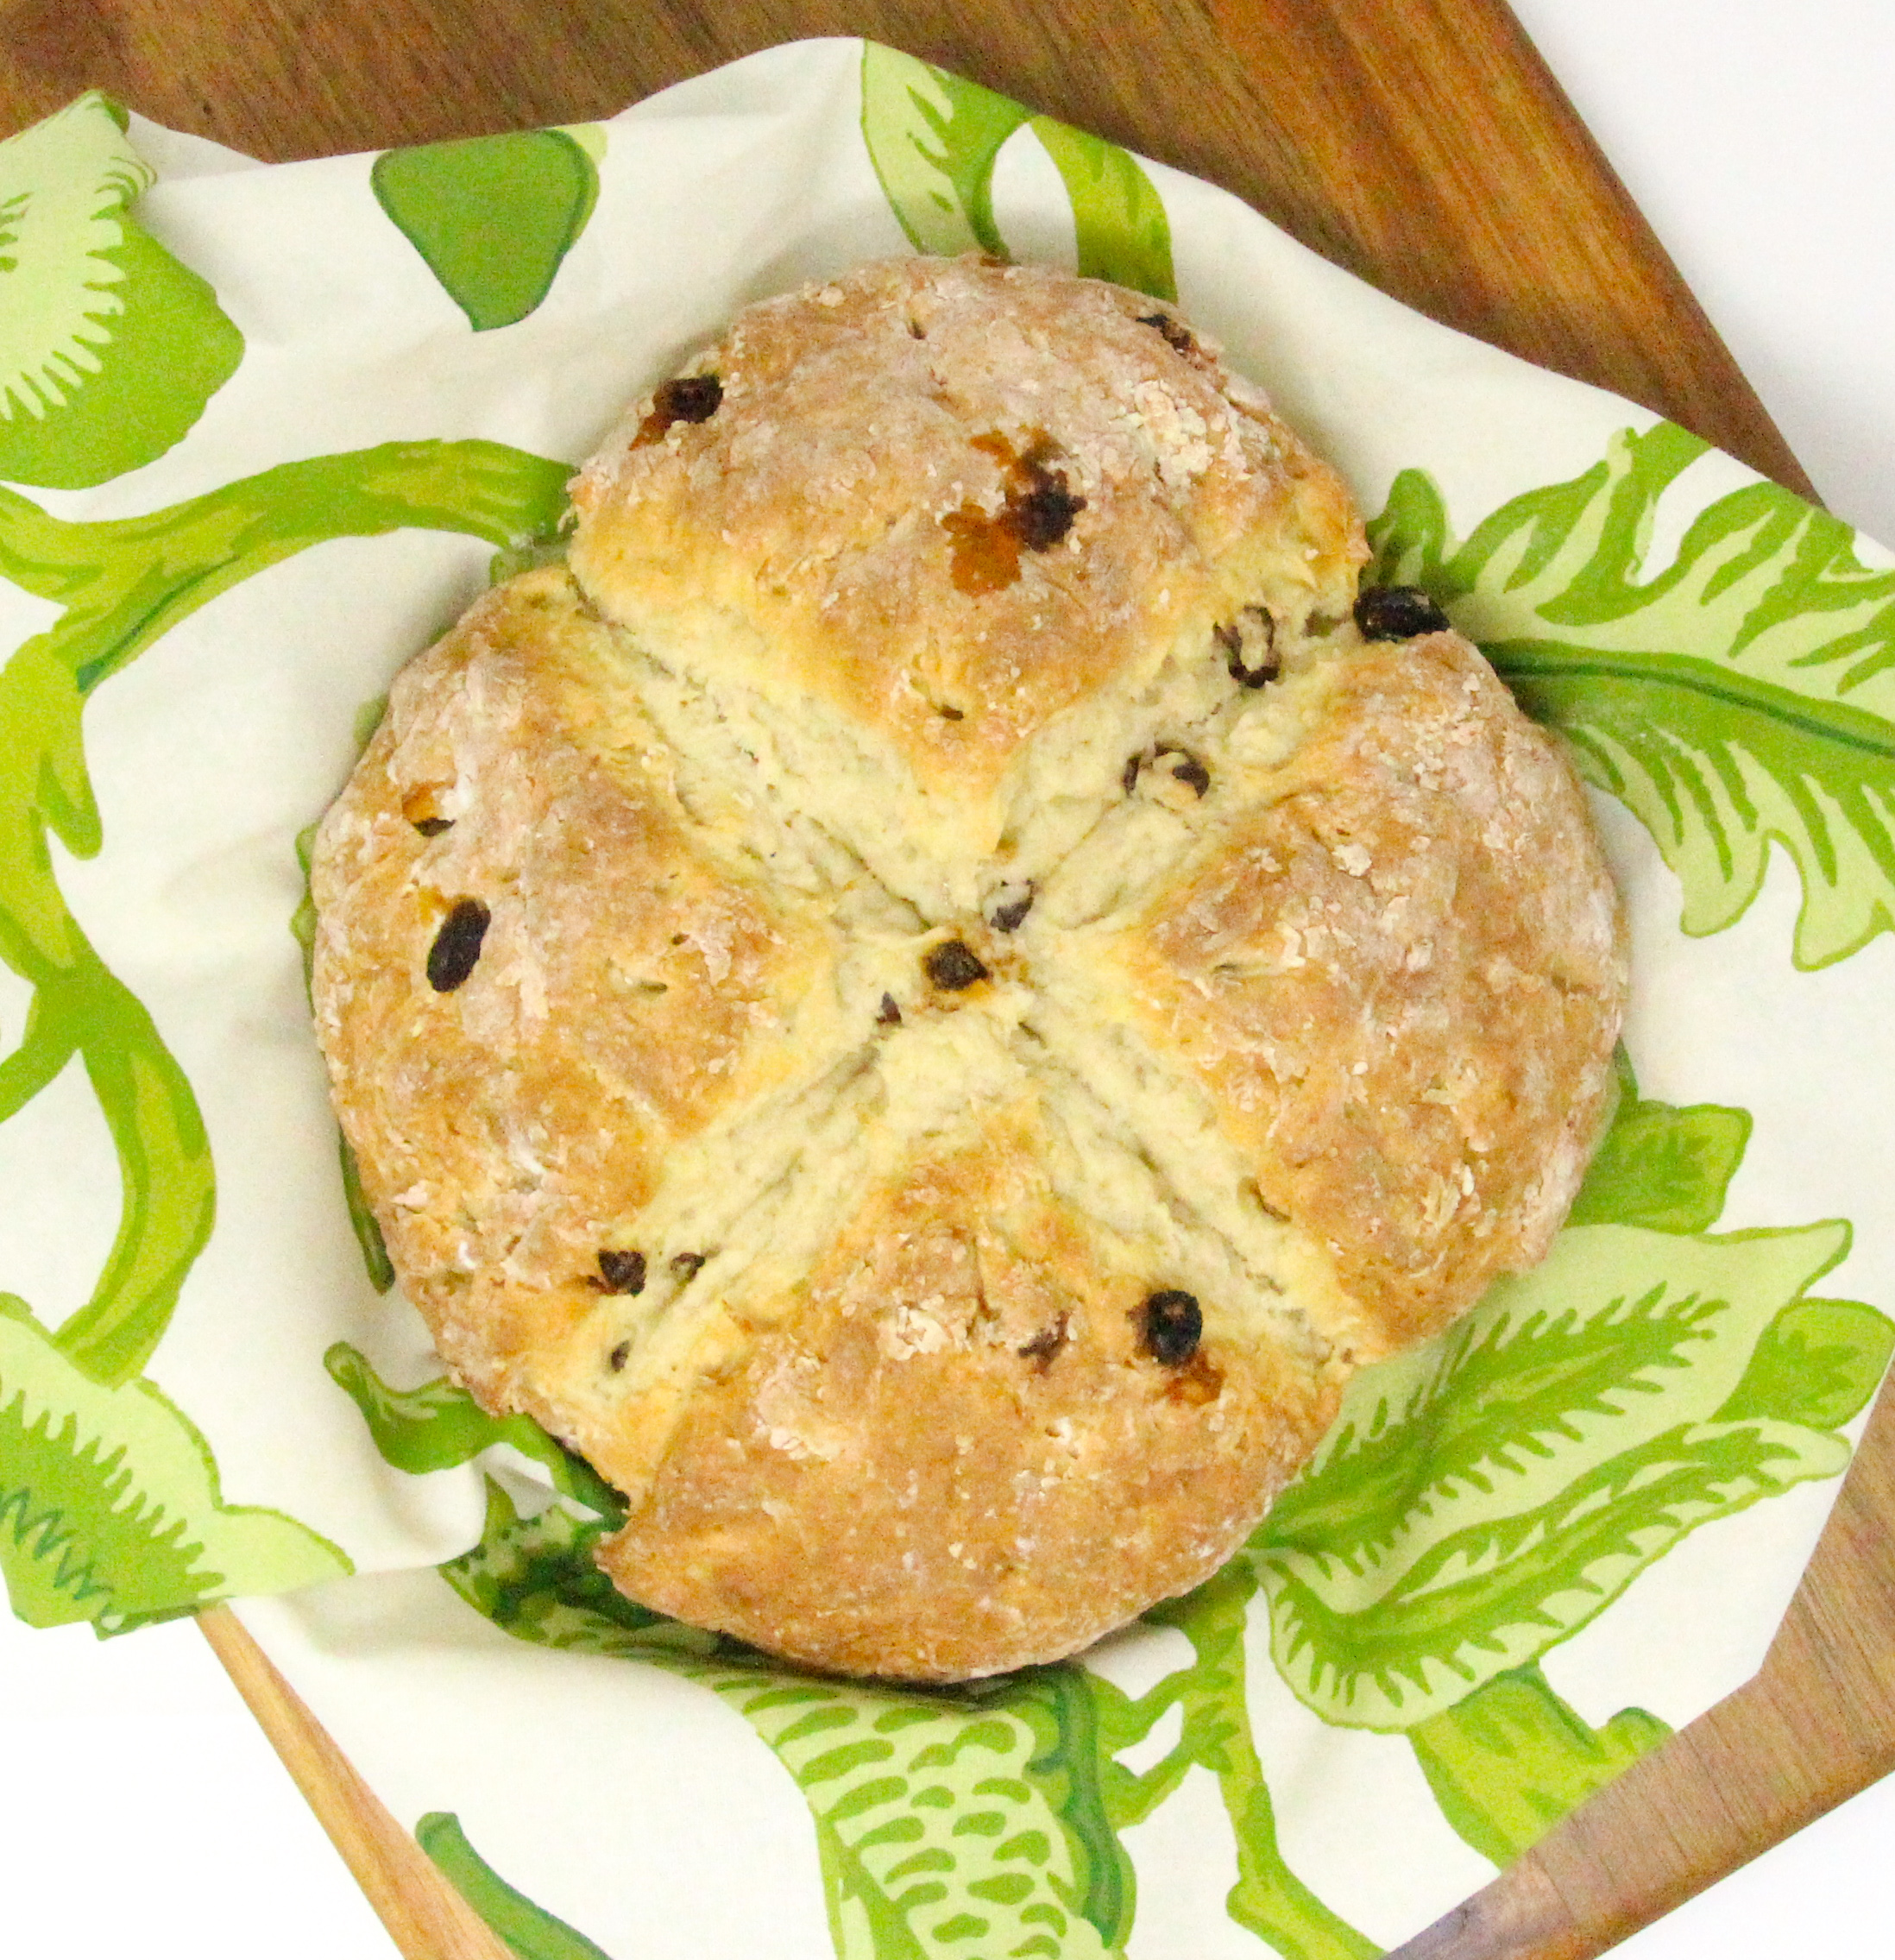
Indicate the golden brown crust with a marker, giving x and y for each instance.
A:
(504, 1125)
(1401, 977)
(850, 504)
(835, 1082)
(961, 1410)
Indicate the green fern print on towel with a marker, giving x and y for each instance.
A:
(108, 1504)
(110, 347)
(110, 1509)
(1737, 696)
(1476, 1502)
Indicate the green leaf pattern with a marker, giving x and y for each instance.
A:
(1738, 696)
(1509, 1761)
(1817, 1364)
(530, 1932)
(493, 217)
(110, 348)
(1119, 219)
(105, 1536)
(1268, 1899)
(932, 1827)
(940, 1817)
(935, 140)
(932, 139)
(110, 1507)
(440, 1427)
(1486, 1496)
(1659, 1166)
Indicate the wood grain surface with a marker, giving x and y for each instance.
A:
(1422, 144)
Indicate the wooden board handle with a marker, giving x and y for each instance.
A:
(426, 1918)
(1425, 145)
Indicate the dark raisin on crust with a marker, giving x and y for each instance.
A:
(953, 964)
(1251, 664)
(1180, 338)
(422, 807)
(1046, 1344)
(684, 1265)
(888, 1014)
(1186, 769)
(618, 1356)
(690, 398)
(1038, 510)
(620, 1271)
(1171, 1325)
(1397, 612)
(1011, 916)
(1189, 769)
(1044, 515)
(457, 946)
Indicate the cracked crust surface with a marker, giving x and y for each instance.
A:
(845, 529)
(959, 1435)
(836, 1077)
(1386, 975)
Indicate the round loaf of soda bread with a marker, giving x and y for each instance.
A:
(926, 1000)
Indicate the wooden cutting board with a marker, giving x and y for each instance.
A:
(1422, 144)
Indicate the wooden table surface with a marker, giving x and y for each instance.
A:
(1422, 144)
